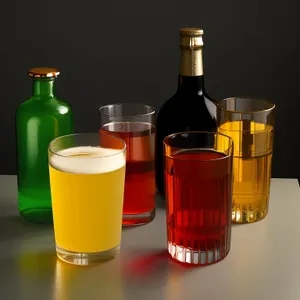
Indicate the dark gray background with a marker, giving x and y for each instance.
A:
(127, 51)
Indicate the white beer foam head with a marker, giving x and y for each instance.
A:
(98, 160)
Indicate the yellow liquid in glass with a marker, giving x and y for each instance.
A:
(87, 189)
(253, 144)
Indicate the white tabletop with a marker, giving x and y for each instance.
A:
(263, 264)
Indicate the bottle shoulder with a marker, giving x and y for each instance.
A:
(172, 103)
(51, 105)
(186, 112)
(180, 103)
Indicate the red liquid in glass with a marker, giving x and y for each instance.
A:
(199, 203)
(139, 194)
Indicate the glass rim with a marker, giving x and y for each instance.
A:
(153, 110)
(85, 134)
(230, 147)
(271, 104)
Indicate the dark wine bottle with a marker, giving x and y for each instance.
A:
(191, 108)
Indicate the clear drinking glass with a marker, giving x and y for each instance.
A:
(198, 186)
(87, 174)
(135, 124)
(250, 123)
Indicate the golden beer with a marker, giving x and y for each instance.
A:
(87, 186)
(253, 144)
(250, 123)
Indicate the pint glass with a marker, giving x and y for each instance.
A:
(250, 123)
(135, 124)
(198, 183)
(87, 185)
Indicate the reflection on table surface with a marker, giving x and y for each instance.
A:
(41, 272)
(29, 269)
(143, 270)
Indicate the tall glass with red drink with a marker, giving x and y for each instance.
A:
(198, 182)
(135, 124)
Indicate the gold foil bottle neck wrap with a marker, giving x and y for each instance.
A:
(191, 44)
(43, 73)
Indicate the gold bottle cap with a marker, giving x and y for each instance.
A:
(191, 32)
(43, 72)
(191, 38)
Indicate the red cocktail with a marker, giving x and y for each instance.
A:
(198, 179)
(139, 194)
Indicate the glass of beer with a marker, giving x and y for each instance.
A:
(87, 175)
(250, 123)
(198, 185)
(135, 124)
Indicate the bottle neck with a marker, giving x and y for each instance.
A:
(43, 87)
(191, 70)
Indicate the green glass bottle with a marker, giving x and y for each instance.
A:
(38, 121)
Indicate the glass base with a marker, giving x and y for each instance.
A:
(138, 219)
(88, 258)
(196, 257)
(243, 214)
(37, 215)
